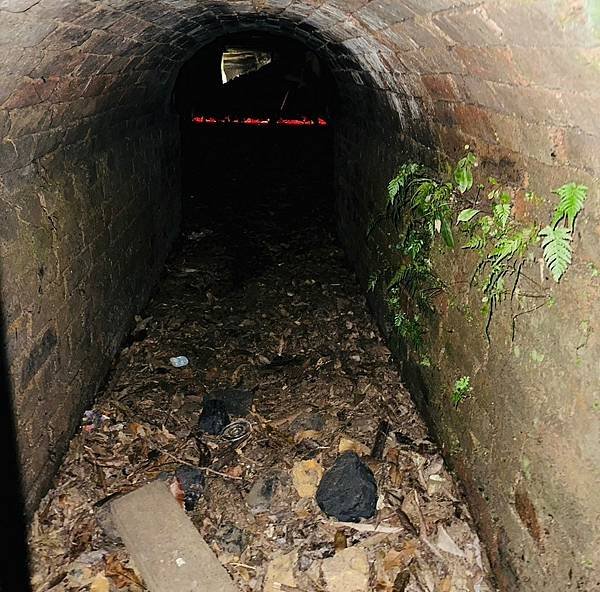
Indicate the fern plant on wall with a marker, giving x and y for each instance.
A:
(421, 207)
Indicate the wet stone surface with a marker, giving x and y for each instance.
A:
(258, 297)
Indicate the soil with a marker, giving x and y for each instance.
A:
(259, 296)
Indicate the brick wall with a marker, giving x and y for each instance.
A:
(88, 185)
(84, 232)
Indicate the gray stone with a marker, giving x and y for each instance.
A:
(231, 539)
(261, 494)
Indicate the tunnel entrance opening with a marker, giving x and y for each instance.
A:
(258, 76)
(240, 61)
(261, 168)
(274, 82)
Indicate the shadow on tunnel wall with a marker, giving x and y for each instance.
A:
(14, 573)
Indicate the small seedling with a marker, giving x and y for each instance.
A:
(462, 389)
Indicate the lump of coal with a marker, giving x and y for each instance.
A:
(191, 481)
(348, 490)
(214, 417)
(238, 402)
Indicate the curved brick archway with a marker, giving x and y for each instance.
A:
(90, 204)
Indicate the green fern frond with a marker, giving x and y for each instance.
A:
(572, 198)
(393, 188)
(502, 214)
(505, 248)
(399, 277)
(557, 248)
(423, 192)
(476, 242)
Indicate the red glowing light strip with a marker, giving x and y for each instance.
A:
(253, 121)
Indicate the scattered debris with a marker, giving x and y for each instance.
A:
(348, 445)
(280, 573)
(340, 541)
(140, 331)
(401, 581)
(191, 483)
(383, 430)
(238, 402)
(100, 583)
(231, 539)
(237, 431)
(260, 496)
(179, 361)
(311, 422)
(348, 490)
(93, 420)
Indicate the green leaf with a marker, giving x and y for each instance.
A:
(447, 233)
(463, 174)
(572, 198)
(476, 243)
(399, 276)
(393, 188)
(501, 214)
(504, 198)
(466, 215)
(462, 389)
(557, 248)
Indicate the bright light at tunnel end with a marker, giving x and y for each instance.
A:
(252, 121)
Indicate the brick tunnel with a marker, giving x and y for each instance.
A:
(98, 148)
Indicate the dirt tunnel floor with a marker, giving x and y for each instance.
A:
(258, 296)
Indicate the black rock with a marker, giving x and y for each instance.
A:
(238, 402)
(191, 481)
(214, 417)
(348, 490)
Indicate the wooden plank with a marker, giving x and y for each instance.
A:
(165, 546)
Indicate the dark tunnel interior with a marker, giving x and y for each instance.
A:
(244, 169)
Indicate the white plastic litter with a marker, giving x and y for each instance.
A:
(179, 361)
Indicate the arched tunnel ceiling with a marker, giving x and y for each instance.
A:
(85, 59)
